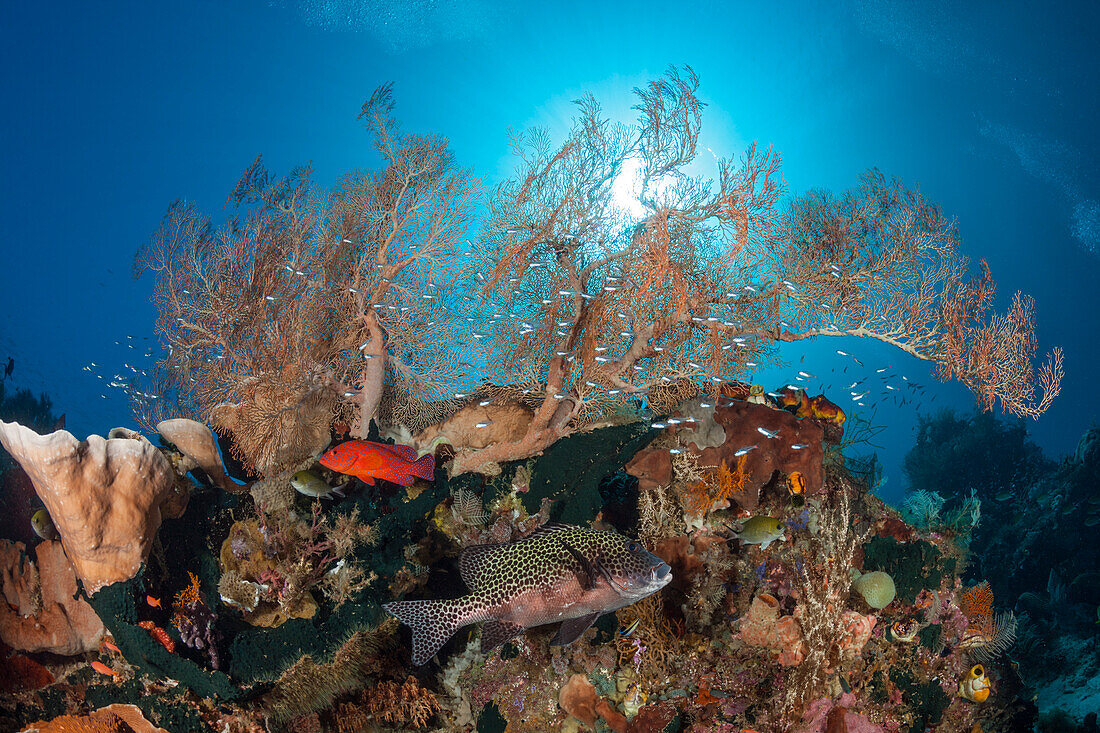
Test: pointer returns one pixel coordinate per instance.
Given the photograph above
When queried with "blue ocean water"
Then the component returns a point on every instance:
(114, 111)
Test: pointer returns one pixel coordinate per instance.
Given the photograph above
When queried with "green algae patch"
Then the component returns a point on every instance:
(262, 654)
(116, 607)
(914, 566)
(926, 699)
(171, 712)
(574, 467)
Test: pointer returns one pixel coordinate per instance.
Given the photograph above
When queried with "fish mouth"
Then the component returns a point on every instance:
(661, 574)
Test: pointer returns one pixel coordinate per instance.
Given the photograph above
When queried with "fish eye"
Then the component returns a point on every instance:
(632, 546)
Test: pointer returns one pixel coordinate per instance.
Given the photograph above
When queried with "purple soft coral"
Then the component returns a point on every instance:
(198, 628)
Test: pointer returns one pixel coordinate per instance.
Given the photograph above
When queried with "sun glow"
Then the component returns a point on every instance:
(624, 189)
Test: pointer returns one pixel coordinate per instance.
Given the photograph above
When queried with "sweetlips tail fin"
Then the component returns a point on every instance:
(432, 623)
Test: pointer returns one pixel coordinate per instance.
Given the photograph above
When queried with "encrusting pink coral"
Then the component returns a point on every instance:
(105, 496)
(822, 713)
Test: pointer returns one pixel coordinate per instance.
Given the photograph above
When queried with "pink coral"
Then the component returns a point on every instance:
(762, 626)
(792, 648)
(39, 607)
(857, 630)
(758, 627)
(816, 717)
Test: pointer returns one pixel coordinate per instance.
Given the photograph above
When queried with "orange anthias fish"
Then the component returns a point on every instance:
(368, 461)
(154, 602)
(103, 669)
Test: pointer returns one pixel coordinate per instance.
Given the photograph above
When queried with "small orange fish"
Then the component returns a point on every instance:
(112, 647)
(368, 461)
(103, 669)
(154, 602)
(796, 483)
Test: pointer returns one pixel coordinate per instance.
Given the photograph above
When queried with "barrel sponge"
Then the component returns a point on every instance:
(877, 588)
(105, 496)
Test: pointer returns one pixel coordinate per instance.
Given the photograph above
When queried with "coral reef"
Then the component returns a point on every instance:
(251, 581)
(42, 612)
(798, 601)
(1031, 553)
(271, 564)
(741, 424)
(122, 482)
(770, 639)
(200, 450)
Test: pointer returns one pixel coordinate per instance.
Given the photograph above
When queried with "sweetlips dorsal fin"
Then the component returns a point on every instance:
(471, 562)
(548, 528)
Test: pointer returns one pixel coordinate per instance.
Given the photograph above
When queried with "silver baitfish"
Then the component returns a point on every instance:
(557, 573)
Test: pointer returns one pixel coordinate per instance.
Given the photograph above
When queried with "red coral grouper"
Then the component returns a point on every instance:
(367, 461)
(556, 573)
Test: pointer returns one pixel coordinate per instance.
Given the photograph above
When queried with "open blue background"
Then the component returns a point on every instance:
(113, 110)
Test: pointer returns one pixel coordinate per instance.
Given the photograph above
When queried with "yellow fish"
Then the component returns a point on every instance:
(760, 530)
(310, 484)
(43, 525)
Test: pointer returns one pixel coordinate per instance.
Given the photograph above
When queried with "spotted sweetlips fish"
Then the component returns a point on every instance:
(557, 573)
(368, 461)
